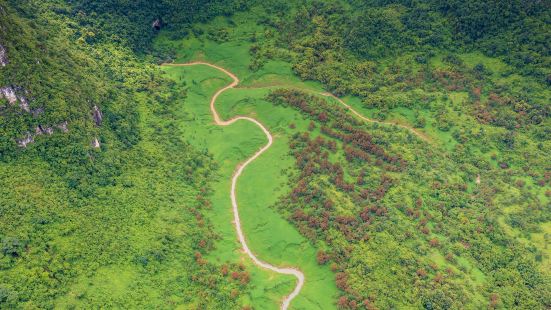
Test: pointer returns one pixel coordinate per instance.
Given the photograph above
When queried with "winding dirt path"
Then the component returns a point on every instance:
(288, 271)
(411, 129)
(218, 121)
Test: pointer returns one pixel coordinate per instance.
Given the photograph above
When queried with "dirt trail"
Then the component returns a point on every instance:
(414, 131)
(411, 129)
(218, 121)
(288, 271)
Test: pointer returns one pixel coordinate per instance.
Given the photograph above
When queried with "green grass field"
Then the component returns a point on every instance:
(271, 237)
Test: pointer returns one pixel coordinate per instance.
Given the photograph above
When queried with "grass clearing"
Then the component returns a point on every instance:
(271, 237)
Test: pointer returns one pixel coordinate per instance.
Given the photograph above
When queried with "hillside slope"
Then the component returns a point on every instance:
(96, 209)
(115, 183)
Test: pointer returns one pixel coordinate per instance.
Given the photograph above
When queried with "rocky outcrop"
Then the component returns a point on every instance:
(13, 95)
(157, 24)
(10, 94)
(40, 130)
(96, 143)
(24, 104)
(97, 115)
(43, 130)
(25, 140)
(63, 127)
(3, 56)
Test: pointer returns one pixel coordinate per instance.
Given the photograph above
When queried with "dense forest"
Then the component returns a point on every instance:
(397, 55)
(93, 199)
(391, 219)
(106, 201)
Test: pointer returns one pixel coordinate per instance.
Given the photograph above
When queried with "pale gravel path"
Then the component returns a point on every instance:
(235, 81)
(412, 130)
(288, 271)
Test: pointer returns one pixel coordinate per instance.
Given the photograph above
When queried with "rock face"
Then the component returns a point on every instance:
(98, 116)
(24, 104)
(157, 24)
(63, 126)
(95, 143)
(25, 140)
(13, 95)
(9, 93)
(40, 130)
(3, 56)
(46, 130)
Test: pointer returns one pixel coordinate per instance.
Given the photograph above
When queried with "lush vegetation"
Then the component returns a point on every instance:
(137, 22)
(467, 74)
(116, 224)
(358, 194)
(120, 196)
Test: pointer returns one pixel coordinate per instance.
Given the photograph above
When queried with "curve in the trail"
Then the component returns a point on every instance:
(288, 271)
(414, 131)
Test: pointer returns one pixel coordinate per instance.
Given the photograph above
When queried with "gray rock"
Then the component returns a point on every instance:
(41, 129)
(10, 94)
(63, 126)
(3, 56)
(98, 116)
(24, 104)
(23, 142)
(96, 143)
(157, 24)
